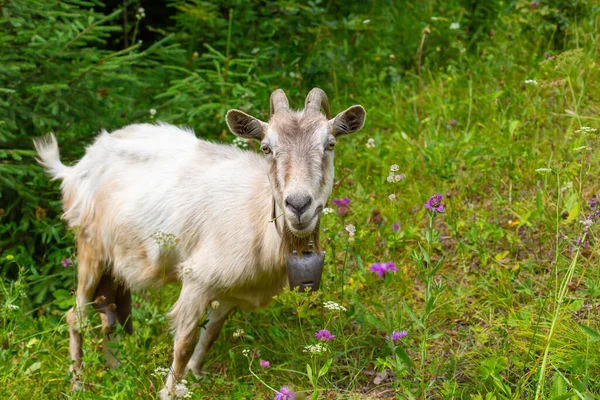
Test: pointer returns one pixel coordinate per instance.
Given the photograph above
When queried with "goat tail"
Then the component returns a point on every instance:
(47, 149)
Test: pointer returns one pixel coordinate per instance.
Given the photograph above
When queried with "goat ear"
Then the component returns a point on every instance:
(245, 126)
(348, 121)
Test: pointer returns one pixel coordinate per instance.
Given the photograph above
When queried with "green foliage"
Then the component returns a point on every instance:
(492, 104)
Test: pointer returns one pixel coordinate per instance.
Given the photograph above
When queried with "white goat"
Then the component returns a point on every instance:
(215, 199)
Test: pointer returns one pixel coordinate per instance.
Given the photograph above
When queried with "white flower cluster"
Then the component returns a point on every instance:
(160, 372)
(141, 13)
(586, 129)
(181, 391)
(392, 177)
(238, 333)
(328, 210)
(454, 26)
(314, 349)
(371, 143)
(351, 229)
(241, 143)
(392, 197)
(246, 352)
(332, 305)
(153, 111)
(530, 82)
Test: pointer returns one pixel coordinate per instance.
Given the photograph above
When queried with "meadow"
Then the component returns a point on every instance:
(461, 236)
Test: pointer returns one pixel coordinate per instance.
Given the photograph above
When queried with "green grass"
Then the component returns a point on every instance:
(499, 300)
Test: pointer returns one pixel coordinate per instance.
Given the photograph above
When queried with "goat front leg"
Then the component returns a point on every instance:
(208, 335)
(185, 315)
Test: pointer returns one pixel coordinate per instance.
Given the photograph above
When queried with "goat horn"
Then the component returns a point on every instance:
(315, 100)
(279, 102)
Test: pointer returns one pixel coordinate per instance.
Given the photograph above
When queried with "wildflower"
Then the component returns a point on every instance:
(435, 203)
(327, 210)
(342, 202)
(285, 393)
(366, 21)
(535, 4)
(246, 352)
(383, 268)
(392, 197)
(342, 205)
(543, 170)
(324, 335)
(265, 364)
(586, 130)
(238, 333)
(181, 391)
(530, 82)
(314, 349)
(214, 304)
(11, 306)
(399, 177)
(240, 142)
(351, 229)
(152, 111)
(396, 227)
(394, 167)
(547, 55)
(397, 335)
(390, 177)
(370, 143)
(66, 262)
(141, 13)
(587, 222)
(453, 122)
(454, 26)
(160, 372)
(332, 305)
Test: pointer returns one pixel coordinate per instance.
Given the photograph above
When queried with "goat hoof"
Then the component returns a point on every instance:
(76, 384)
(164, 394)
(197, 371)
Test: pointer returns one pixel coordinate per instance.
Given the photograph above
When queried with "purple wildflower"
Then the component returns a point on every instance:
(342, 202)
(265, 364)
(397, 335)
(547, 55)
(453, 122)
(324, 335)
(390, 266)
(435, 203)
(66, 262)
(285, 394)
(383, 268)
(535, 4)
(396, 227)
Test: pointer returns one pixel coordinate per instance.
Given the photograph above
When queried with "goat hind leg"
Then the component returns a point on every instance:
(89, 273)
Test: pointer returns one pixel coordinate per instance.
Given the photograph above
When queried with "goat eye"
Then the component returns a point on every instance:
(265, 149)
(330, 146)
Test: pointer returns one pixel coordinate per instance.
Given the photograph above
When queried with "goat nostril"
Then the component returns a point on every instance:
(298, 204)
